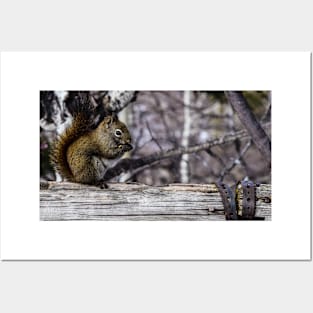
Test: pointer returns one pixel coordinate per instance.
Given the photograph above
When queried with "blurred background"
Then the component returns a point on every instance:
(163, 120)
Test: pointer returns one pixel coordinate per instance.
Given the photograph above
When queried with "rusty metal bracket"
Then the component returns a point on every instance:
(229, 201)
(248, 201)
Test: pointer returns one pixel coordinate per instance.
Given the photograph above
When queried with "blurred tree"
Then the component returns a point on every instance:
(164, 121)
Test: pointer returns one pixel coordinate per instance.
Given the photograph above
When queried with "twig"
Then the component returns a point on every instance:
(236, 161)
(257, 133)
(152, 137)
(131, 164)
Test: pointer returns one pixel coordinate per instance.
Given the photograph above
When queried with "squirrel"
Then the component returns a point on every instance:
(83, 151)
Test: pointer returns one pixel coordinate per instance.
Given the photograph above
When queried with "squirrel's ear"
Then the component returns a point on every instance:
(109, 120)
(114, 117)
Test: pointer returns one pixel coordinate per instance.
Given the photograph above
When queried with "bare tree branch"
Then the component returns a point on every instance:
(257, 133)
(153, 138)
(223, 164)
(132, 164)
(236, 161)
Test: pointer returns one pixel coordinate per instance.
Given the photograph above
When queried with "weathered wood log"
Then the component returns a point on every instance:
(137, 202)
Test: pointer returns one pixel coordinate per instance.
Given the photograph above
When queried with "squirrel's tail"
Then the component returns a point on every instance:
(81, 124)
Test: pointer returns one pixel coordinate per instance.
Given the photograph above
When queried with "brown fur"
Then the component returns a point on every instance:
(80, 153)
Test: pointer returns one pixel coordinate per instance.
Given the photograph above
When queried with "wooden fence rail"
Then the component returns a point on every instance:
(69, 201)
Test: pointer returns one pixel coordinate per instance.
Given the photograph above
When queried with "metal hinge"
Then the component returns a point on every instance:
(230, 201)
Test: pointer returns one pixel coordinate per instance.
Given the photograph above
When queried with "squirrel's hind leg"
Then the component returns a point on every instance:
(100, 167)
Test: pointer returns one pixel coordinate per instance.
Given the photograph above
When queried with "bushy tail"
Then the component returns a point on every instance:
(81, 124)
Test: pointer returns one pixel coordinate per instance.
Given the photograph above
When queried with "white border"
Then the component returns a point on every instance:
(23, 236)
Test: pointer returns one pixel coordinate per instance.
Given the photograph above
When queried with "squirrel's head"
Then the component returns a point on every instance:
(119, 136)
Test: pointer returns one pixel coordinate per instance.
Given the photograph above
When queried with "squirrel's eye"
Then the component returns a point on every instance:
(118, 133)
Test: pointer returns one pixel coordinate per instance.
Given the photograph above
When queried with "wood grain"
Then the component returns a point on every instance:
(137, 202)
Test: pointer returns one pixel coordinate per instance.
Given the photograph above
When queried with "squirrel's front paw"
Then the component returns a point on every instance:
(102, 184)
